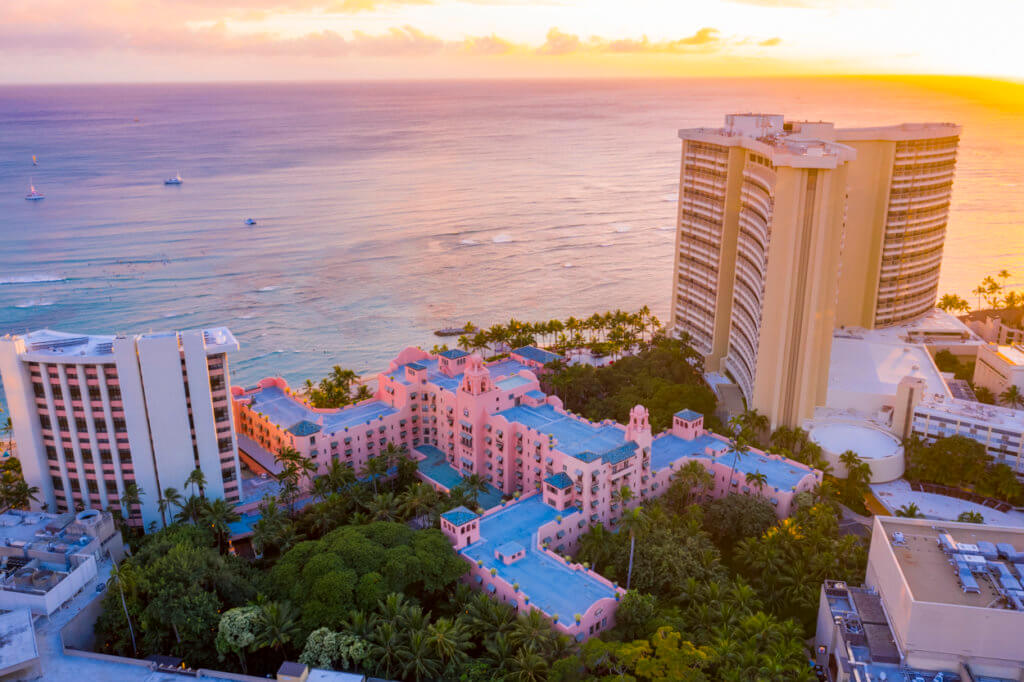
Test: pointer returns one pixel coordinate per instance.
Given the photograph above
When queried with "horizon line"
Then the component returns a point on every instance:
(536, 78)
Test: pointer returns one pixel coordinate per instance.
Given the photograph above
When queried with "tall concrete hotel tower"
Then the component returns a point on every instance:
(92, 414)
(787, 230)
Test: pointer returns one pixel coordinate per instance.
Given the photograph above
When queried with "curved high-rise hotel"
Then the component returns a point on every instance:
(92, 414)
(901, 185)
(787, 230)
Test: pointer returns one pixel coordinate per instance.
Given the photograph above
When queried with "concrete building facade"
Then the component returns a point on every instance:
(92, 414)
(900, 188)
(943, 601)
(773, 215)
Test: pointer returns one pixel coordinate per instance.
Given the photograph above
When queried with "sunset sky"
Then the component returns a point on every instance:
(184, 40)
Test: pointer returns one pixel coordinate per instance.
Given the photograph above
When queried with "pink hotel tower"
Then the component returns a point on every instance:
(552, 474)
(94, 413)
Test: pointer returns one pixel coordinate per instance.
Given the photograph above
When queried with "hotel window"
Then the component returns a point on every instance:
(114, 392)
(44, 421)
(94, 393)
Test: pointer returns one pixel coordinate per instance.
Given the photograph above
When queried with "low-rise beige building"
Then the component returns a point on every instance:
(937, 599)
(999, 367)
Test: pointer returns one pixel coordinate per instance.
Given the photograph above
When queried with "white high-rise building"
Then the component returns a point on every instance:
(94, 413)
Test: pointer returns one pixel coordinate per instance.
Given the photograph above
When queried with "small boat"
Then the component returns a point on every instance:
(34, 162)
(176, 180)
(33, 194)
(454, 331)
(250, 221)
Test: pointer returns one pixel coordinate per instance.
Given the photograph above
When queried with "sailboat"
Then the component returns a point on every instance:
(33, 194)
(176, 180)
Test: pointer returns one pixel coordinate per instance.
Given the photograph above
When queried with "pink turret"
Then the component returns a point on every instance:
(639, 428)
(476, 379)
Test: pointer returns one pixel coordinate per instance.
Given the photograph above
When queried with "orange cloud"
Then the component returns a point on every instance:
(770, 42)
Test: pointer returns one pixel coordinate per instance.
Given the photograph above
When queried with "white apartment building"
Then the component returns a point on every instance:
(94, 413)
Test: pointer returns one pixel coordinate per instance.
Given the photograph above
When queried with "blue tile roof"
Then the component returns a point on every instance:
(623, 452)
(458, 516)
(286, 411)
(304, 428)
(552, 586)
(539, 395)
(668, 449)
(575, 437)
(453, 354)
(689, 415)
(510, 549)
(537, 354)
(561, 480)
(514, 381)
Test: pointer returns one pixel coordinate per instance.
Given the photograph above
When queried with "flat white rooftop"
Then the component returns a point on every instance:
(1012, 355)
(47, 344)
(867, 442)
(868, 365)
(17, 639)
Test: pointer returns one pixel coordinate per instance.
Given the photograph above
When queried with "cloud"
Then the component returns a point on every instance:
(770, 42)
(560, 43)
(704, 36)
(487, 45)
(356, 6)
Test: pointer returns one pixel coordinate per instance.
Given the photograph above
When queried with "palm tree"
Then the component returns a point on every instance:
(630, 523)
(219, 515)
(527, 666)
(383, 507)
(279, 621)
(474, 484)
(757, 479)
(191, 510)
(116, 575)
(196, 479)
(171, 498)
(1012, 397)
(971, 517)
(533, 629)
(387, 649)
(740, 448)
(450, 641)
(131, 497)
(374, 468)
(910, 511)
(419, 499)
(419, 659)
(952, 303)
(852, 461)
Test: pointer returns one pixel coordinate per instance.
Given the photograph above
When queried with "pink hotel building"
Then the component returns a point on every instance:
(558, 473)
(92, 414)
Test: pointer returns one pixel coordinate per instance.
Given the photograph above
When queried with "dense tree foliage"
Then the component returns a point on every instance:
(356, 566)
(789, 562)
(175, 588)
(665, 378)
(335, 390)
(962, 462)
(14, 491)
(737, 517)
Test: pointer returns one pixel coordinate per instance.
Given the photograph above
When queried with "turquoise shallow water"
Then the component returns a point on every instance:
(385, 209)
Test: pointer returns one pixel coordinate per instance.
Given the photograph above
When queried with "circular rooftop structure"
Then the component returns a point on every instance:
(879, 449)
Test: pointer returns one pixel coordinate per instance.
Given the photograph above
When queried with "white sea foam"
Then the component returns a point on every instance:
(34, 304)
(606, 244)
(502, 238)
(268, 288)
(622, 227)
(31, 279)
(568, 265)
(670, 197)
(469, 242)
(666, 228)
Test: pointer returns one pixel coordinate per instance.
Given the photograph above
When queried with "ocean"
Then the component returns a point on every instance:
(386, 209)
